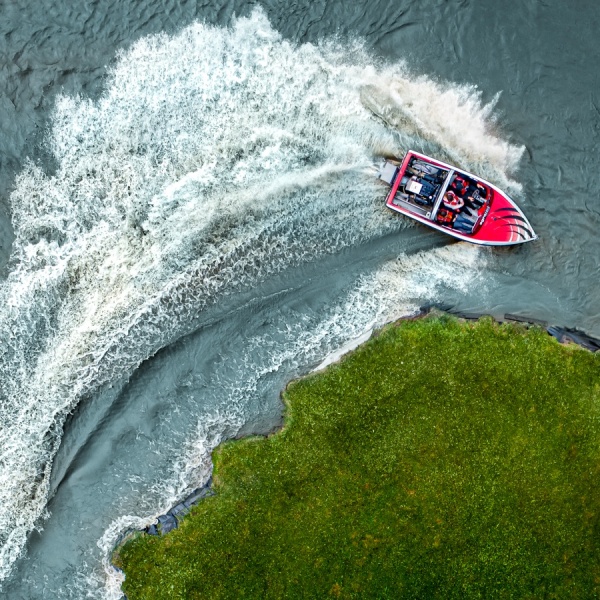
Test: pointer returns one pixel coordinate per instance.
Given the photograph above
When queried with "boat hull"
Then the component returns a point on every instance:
(497, 222)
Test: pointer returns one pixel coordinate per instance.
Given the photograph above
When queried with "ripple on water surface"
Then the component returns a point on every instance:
(214, 159)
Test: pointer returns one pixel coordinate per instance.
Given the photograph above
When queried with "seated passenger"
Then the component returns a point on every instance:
(463, 223)
(445, 217)
(472, 193)
(458, 222)
(459, 185)
(452, 201)
(468, 189)
(482, 191)
(476, 191)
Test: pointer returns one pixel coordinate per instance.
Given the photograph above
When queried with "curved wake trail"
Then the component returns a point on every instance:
(393, 291)
(215, 158)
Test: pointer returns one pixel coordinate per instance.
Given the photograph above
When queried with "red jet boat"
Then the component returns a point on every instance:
(454, 201)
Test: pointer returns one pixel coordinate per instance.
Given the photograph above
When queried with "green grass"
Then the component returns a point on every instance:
(439, 460)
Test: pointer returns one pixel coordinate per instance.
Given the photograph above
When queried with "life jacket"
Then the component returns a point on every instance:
(459, 184)
(444, 216)
(453, 201)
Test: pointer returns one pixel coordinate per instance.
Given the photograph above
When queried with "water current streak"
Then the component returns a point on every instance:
(214, 158)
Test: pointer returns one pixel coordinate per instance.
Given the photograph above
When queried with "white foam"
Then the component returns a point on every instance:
(393, 291)
(214, 158)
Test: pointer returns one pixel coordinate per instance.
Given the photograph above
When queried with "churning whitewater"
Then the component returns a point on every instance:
(214, 159)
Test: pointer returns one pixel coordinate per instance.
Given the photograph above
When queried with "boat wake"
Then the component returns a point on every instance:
(214, 159)
(393, 291)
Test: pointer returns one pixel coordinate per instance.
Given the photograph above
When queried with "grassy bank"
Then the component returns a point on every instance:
(439, 460)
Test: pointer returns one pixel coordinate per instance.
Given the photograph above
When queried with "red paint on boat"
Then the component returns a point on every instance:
(489, 216)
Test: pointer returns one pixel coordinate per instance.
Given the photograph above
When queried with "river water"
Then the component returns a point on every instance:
(190, 219)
